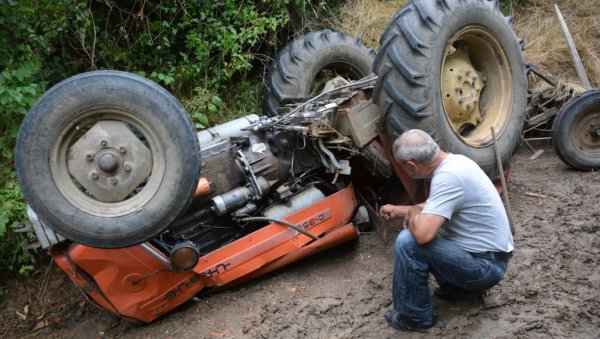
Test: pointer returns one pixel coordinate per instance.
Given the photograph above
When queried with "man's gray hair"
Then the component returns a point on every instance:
(416, 145)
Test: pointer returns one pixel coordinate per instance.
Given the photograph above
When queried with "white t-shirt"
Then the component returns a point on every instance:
(475, 216)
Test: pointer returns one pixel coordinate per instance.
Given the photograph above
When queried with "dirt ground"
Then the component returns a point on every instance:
(551, 289)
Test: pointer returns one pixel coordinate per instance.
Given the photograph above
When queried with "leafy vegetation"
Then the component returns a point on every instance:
(210, 54)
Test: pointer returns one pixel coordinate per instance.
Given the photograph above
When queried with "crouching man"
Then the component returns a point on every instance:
(460, 234)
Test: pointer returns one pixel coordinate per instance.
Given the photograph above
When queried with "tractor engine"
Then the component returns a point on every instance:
(243, 174)
(255, 171)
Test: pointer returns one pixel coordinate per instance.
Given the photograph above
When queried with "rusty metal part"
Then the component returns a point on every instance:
(378, 160)
(476, 85)
(386, 229)
(358, 122)
(544, 106)
(109, 161)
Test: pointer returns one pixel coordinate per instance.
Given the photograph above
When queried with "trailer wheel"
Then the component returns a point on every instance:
(453, 69)
(576, 132)
(107, 159)
(302, 68)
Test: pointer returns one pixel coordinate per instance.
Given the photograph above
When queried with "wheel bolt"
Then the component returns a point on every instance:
(103, 143)
(122, 149)
(95, 176)
(89, 157)
(127, 168)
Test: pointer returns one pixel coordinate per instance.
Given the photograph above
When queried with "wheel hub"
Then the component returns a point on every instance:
(587, 131)
(109, 161)
(594, 131)
(461, 88)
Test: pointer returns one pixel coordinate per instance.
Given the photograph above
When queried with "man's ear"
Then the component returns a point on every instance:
(412, 165)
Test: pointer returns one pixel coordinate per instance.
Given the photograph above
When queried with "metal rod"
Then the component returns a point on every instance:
(503, 181)
(538, 139)
(576, 59)
(282, 222)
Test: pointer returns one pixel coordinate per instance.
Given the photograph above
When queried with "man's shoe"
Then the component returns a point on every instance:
(403, 324)
(457, 294)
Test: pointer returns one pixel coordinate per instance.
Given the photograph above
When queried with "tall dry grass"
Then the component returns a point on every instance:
(546, 46)
(366, 19)
(535, 22)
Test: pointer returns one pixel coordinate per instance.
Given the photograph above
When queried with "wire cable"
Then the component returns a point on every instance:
(282, 222)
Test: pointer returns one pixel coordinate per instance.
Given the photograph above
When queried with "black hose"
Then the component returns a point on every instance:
(282, 222)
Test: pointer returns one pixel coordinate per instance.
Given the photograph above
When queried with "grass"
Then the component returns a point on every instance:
(546, 46)
(535, 21)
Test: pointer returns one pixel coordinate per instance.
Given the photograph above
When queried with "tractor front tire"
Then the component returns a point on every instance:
(302, 68)
(107, 159)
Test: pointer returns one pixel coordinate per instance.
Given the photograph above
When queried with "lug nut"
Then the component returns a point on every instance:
(122, 149)
(114, 182)
(95, 176)
(103, 143)
(89, 157)
(127, 168)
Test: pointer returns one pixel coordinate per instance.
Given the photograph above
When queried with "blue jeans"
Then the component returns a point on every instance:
(450, 265)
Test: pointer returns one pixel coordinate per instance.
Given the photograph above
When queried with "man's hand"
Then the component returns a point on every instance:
(393, 211)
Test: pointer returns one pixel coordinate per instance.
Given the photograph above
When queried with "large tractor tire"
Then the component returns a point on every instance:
(576, 132)
(454, 69)
(302, 68)
(107, 159)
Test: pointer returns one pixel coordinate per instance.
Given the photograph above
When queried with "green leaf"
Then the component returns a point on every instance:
(203, 119)
(26, 269)
(215, 100)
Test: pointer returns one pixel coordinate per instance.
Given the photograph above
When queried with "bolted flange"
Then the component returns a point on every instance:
(461, 88)
(109, 174)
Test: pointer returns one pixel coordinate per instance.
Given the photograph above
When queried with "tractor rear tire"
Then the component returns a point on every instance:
(301, 68)
(453, 69)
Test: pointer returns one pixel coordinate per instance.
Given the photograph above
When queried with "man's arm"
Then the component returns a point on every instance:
(423, 226)
(395, 211)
